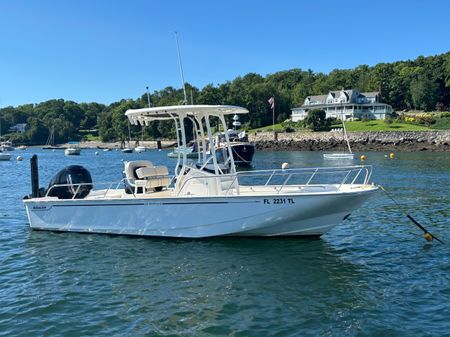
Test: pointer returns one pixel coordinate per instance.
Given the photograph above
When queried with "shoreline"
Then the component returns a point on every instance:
(404, 141)
(150, 144)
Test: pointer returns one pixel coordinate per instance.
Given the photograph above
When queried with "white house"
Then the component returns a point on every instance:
(18, 128)
(347, 104)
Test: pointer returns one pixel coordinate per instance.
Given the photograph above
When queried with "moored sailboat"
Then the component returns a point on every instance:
(343, 155)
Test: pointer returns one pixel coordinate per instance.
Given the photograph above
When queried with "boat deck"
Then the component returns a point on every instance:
(243, 192)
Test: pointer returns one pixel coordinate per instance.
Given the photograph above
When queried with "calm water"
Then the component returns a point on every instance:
(374, 275)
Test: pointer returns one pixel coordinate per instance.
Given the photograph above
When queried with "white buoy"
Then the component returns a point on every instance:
(96, 153)
(284, 166)
(19, 158)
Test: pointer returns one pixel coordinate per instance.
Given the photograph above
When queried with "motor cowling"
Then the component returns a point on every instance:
(78, 183)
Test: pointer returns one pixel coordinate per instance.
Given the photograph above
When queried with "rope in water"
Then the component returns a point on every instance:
(428, 236)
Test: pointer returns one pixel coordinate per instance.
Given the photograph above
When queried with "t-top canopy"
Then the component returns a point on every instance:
(145, 115)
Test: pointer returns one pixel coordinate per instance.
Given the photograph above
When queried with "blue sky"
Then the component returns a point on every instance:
(102, 51)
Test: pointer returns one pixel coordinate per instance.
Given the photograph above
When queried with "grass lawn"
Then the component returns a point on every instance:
(90, 135)
(381, 125)
(268, 128)
(360, 126)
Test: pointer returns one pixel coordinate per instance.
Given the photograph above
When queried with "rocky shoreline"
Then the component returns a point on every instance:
(405, 141)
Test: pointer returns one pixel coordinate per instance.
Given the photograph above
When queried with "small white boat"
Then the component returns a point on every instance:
(127, 150)
(140, 149)
(188, 151)
(195, 203)
(4, 156)
(339, 156)
(73, 149)
(6, 146)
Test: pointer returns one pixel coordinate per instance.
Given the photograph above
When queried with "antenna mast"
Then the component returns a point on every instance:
(181, 69)
(148, 98)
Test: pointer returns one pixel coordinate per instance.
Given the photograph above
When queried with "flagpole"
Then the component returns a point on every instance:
(273, 116)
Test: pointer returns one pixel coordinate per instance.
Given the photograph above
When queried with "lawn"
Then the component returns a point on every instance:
(359, 126)
(381, 125)
(268, 128)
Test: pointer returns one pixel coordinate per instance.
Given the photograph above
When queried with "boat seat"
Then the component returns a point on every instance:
(142, 177)
(155, 177)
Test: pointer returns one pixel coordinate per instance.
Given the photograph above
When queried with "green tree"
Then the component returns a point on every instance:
(316, 120)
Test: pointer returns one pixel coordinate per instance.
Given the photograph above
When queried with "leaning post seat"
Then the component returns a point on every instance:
(143, 177)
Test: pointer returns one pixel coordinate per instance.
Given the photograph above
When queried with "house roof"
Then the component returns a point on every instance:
(370, 94)
(318, 106)
(335, 93)
(318, 97)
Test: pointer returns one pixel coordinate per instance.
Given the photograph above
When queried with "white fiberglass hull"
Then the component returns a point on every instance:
(140, 149)
(4, 156)
(72, 152)
(338, 156)
(196, 217)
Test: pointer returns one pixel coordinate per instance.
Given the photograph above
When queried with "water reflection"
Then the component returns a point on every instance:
(180, 285)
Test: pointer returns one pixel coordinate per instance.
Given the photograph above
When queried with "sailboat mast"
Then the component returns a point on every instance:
(345, 130)
(129, 134)
(181, 70)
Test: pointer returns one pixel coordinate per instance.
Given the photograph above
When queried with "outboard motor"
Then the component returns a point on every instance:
(71, 176)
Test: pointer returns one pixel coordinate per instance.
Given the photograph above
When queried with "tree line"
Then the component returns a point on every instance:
(422, 84)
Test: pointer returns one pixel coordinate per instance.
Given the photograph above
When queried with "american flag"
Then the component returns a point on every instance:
(272, 102)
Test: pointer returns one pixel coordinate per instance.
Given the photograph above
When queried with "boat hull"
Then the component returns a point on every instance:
(243, 154)
(348, 156)
(72, 152)
(4, 156)
(198, 217)
(140, 149)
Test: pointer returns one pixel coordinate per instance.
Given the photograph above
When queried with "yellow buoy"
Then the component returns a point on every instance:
(392, 155)
(363, 157)
(428, 236)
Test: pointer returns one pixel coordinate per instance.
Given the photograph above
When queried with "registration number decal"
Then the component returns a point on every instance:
(279, 201)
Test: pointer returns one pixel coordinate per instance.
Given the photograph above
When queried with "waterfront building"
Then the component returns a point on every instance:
(347, 104)
(21, 128)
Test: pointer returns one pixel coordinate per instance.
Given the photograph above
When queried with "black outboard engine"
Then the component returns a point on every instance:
(71, 176)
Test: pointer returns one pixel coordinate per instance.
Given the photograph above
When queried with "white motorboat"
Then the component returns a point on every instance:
(195, 203)
(6, 146)
(4, 156)
(140, 149)
(73, 149)
(127, 150)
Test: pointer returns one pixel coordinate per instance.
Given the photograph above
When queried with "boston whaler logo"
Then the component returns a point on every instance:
(40, 208)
